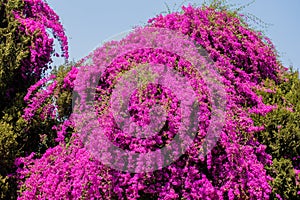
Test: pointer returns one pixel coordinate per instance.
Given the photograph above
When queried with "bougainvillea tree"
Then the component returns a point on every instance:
(26, 47)
(236, 168)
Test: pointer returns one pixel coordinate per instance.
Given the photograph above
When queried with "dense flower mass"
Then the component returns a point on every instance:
(37, 18)
(77, 175)
(235, 167)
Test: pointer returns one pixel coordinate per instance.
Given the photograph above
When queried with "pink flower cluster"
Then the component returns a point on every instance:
(68, 171)
(69, 79)
(234, 169)
(37, 18)
(35, 101)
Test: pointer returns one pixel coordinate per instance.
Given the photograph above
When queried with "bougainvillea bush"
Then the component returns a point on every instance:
(251, 155)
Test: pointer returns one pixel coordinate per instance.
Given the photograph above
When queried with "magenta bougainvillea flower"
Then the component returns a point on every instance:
(37, 18)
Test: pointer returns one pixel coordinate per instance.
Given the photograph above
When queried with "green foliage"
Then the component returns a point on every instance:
(282, 133)
(14, 47)
(7, 142)
(64, 99)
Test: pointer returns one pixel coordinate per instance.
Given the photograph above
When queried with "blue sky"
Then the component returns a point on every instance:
(90, 22)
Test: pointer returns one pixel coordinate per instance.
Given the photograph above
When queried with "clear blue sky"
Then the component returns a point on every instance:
(90, 22)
